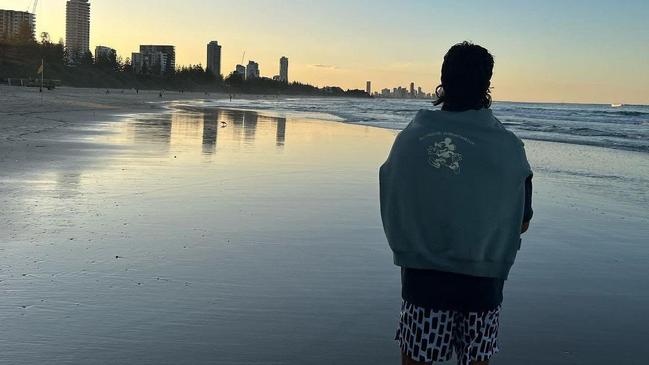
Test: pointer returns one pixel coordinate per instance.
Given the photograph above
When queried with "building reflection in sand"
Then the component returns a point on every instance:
(209, 128)
(210, 131)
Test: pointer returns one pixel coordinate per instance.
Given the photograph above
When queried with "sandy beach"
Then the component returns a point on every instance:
(134, 231)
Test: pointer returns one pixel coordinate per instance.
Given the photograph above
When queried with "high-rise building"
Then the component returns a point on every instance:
(412, 89)
(16, 24)
(214, 58)
(77, 29)
(241, 71)
(283, 69)
(149, 63)
(104, 53)
(252, 71)
(137, 62)
(368, 87)
(168, 65)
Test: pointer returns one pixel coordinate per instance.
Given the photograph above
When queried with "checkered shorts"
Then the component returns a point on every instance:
(427, 335)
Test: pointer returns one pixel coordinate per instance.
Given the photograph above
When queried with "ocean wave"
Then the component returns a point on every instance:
(586, 124)
(631, 113)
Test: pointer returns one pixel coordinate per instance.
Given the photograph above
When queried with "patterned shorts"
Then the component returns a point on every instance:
(428, 336)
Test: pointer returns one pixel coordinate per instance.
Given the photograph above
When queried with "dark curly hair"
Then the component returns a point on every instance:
(466, 78)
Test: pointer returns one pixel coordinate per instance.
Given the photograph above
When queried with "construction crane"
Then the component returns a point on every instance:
(33, 6)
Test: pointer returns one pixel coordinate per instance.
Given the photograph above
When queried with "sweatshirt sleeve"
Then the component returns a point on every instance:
(528, 213)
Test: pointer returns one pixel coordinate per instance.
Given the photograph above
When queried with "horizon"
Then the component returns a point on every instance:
(348, 43)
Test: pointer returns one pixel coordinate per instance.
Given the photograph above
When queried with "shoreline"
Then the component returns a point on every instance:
(71, 124)
(613, 129)
(337, 119)
(95, 101)
(31, 127)
(65, 122)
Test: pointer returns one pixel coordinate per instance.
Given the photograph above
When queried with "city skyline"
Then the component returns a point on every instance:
(595, 52)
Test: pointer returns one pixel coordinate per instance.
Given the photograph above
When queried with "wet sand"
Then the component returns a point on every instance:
(132, 234)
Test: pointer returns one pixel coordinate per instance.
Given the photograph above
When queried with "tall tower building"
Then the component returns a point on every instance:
(283, 69)
(368, 87)
(214, 58)
(77, 29)
(412, 89)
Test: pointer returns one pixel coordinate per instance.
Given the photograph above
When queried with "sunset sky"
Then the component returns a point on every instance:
(564, 51)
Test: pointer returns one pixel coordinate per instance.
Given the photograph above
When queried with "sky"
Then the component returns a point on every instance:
(593, 51)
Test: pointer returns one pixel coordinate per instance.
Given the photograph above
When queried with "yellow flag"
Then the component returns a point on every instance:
(40, 69)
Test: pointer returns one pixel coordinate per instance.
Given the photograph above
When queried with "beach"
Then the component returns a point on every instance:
(178, 230)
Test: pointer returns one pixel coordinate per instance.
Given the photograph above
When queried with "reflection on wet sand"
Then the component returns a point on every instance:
(68, 183)
(147, 129)
(183, 127)
(250, 120)
(280, 136)
(210, 132)
(198, 233)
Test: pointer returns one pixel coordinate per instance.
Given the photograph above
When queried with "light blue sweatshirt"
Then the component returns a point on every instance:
(453, 194)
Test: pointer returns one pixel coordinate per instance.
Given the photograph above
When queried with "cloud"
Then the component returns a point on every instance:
(330, 67)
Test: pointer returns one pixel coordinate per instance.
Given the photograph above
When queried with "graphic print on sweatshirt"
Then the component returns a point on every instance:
(443, 154)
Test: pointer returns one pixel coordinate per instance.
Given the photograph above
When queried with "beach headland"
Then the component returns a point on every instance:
(135, 232)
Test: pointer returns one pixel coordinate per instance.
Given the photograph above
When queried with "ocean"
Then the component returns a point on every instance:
(625, 127)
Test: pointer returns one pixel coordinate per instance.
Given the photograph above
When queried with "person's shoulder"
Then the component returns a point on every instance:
(415, 128)
(424, 119)
(417, 121)
(426, 115)
(517, 146)
(511, 136)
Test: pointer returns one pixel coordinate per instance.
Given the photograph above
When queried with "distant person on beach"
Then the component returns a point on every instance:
(456, 195)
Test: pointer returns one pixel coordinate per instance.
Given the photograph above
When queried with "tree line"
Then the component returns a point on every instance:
(21, 57)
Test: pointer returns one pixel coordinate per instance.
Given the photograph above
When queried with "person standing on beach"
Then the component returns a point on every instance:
(455, 198)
